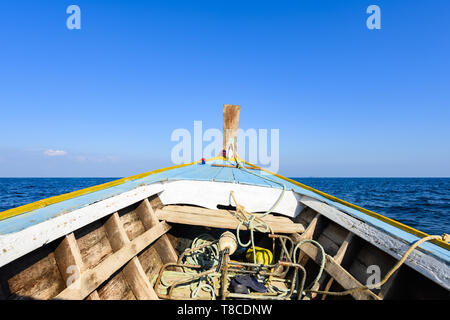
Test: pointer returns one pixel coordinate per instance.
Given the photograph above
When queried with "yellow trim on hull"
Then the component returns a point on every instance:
(56, 199)
(375, 215)
(52, 200)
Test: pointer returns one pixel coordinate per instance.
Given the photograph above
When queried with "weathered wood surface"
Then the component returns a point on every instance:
(221, 219)
(330, 236)
(17, 244)
(230, 123)
(133, 272)
(116, 288)
(93, 296)
(342, 276)
(67, 255)
(132, 225)
(94, 246)
(149, 219)
(70, 263)
(92, 278)
(308, 234)
(338, 257)
(42, 280)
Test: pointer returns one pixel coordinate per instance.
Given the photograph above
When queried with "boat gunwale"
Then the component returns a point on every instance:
(370, 213)
(60, 198)
(74, 194)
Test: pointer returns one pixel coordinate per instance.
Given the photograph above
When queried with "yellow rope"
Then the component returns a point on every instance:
(445, 237)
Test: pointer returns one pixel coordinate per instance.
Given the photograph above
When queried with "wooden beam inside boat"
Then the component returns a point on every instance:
(133, 272)
(342, 276)
(149, 219)
(338, 257)
(67, 256)
(221, 219)
(309, 233)
(91, 279)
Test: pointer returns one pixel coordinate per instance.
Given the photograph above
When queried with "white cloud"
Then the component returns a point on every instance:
(55, 153)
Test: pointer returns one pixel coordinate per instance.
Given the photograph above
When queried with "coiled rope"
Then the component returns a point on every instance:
(207, 257)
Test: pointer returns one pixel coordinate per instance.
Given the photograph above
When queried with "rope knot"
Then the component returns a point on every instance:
(446, 237)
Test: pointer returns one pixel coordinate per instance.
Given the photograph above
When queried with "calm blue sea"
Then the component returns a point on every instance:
(422, 203)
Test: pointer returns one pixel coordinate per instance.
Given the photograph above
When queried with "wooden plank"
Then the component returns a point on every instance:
(132, 272)
(41, 280)
(370, 255)
(94, 246)
(151, 261)
(230, 124)
(315, 225)
(330, 239)
(344, 248)
(132, 225)
(149, 219)
(92, 278)
(336, 234)
(224, 212)
(68, 256)
(155, 202)
(308, 234)
(146, 213)
(345, 279)
(305, 216)
(116, 288)
(328, 245)
(93, 296)
(222, 219)
(115, 232)
(280, 219)
(137, 280)
(338, 257)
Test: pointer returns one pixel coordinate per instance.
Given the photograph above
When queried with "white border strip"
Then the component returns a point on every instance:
(15, 245)
(209, 194)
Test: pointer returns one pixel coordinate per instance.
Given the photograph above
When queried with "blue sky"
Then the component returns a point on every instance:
(104, 100)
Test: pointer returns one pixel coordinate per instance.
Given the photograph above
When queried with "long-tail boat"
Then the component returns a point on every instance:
(221, 228)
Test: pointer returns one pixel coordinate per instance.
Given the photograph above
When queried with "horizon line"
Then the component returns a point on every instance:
(306, 177)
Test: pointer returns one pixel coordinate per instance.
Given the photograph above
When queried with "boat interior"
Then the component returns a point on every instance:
(216, 229)
(149, 250)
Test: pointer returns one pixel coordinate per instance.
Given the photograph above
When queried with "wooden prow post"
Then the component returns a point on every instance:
(230, 128)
